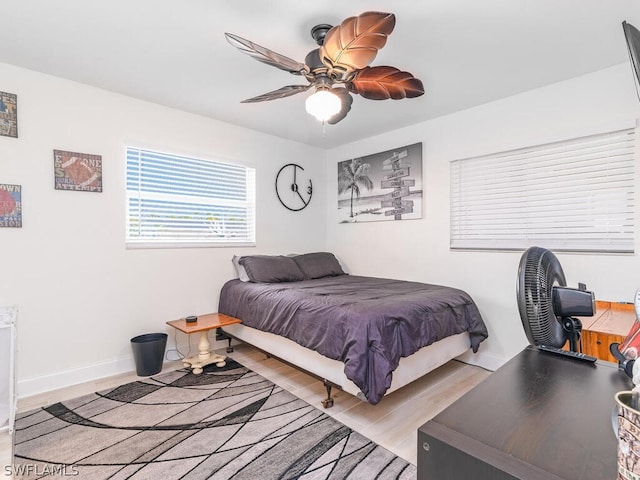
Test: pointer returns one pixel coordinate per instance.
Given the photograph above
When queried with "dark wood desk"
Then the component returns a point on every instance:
(538, 417)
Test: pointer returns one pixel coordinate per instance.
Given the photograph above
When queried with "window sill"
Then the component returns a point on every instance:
(144, 245)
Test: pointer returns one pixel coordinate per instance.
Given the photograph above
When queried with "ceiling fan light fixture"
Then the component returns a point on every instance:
(323, 105)
(342, 59)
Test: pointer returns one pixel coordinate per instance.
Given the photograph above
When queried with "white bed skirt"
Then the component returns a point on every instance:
(410, 368)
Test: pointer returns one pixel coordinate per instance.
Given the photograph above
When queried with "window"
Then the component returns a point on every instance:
(574, 195)
(174, 200)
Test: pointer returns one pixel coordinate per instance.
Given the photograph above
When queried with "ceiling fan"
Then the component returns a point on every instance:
(339, 67)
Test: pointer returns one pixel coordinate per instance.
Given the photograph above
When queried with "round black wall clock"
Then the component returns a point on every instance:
(293, 187)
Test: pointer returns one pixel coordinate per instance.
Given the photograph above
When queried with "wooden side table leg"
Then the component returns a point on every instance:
(204, 346)
(219, 360)
(204, 357)
(203, 353)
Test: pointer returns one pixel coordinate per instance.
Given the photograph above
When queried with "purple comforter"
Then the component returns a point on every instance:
(367, 323)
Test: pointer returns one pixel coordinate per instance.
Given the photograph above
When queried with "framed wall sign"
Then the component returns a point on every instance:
(10, 205)
(77, 171)
(8, 114)
(383, 186)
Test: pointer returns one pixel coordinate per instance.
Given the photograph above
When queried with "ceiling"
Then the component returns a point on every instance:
(173, 52)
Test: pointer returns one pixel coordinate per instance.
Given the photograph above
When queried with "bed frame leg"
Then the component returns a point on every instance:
(222, 335)
(327, 402)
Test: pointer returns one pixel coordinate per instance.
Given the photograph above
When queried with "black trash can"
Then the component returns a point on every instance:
(148, 353)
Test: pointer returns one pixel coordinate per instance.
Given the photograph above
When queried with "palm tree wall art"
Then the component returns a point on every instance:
(353, 174)
(382, 186)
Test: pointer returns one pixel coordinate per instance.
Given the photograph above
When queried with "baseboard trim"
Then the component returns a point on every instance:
(67, 378)
(53, 381)
(484, 360)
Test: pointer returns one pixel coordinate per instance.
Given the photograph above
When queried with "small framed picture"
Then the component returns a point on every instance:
(10, 205)
(8, 114)
(77, 171)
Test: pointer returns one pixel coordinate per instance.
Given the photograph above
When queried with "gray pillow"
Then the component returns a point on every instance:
(318, 265)
(271, 269)
(240, 271)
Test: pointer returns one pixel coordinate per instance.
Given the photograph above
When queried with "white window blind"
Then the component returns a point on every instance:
(573, 195)
(174, 200)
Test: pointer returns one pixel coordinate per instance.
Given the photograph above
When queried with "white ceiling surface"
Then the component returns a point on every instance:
(171, 52)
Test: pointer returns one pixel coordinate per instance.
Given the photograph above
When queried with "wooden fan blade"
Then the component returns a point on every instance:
(354, 43)
(346, 99)
(279, 93)
(382, 83)
(267, 56)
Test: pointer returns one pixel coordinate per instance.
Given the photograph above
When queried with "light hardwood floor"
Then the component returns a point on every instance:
(393, 423)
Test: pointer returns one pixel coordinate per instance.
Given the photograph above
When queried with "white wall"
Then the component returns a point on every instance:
(81, 295)
(419, 249)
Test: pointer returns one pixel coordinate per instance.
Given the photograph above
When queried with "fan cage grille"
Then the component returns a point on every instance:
(540, 271)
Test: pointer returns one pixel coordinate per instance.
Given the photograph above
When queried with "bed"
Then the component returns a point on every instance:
(368, 336)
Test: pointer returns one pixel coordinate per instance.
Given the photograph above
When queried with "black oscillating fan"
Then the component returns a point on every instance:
(547, 305)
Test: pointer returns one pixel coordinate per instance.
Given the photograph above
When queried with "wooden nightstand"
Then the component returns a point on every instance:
(202, 326)
(610, 324)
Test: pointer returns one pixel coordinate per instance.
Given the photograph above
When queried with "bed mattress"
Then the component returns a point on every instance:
(367, 323)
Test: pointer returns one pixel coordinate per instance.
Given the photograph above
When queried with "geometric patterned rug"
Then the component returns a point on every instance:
(226, 423)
